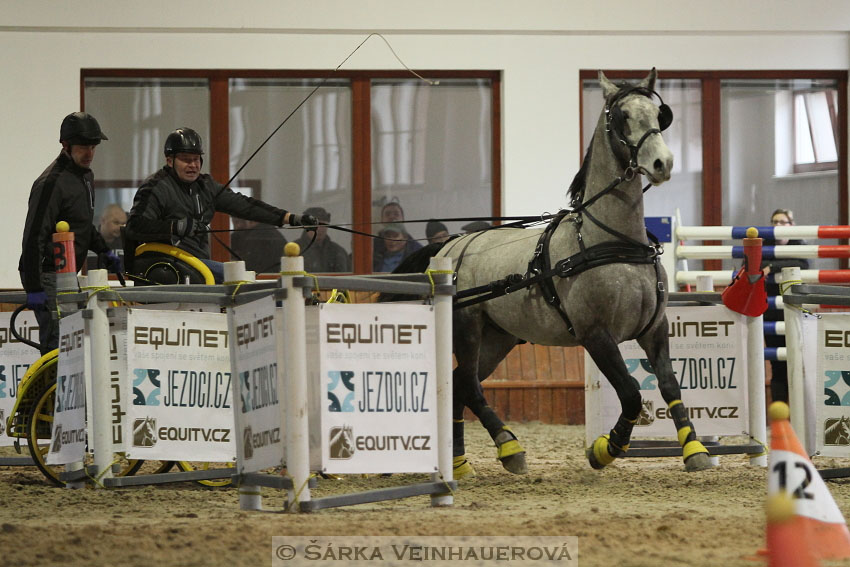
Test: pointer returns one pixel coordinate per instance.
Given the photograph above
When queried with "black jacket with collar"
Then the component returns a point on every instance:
(63, 192)
(163, 199)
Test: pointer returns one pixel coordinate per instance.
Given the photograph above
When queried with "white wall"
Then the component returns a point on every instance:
(539, 45)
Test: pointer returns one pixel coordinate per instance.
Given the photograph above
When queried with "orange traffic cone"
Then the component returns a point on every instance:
(803, 522)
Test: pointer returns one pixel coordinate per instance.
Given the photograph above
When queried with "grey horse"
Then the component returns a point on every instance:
(592, 278)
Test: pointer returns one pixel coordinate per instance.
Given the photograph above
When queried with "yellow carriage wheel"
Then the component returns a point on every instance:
(187, 466)
(39, 435)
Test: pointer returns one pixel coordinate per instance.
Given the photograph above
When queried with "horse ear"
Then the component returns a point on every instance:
(649, 81)
(608, 88)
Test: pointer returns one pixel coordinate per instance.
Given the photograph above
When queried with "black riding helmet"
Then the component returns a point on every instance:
(184, 140)
(82, 129)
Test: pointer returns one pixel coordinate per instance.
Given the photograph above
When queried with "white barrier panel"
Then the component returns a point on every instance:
(68, 438)
(178, 370)
(15, 360)
(376, 370)
(832, 409)
(254, 330)
(707, 350)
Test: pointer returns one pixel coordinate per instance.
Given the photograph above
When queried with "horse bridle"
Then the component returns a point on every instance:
(615, 123)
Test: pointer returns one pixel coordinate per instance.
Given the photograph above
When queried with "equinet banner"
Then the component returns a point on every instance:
(708, 353)
(377, 386)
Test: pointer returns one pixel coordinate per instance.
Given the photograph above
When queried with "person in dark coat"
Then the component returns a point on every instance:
(323, 255)
(63, 192)
(176, 204)
(779, 368)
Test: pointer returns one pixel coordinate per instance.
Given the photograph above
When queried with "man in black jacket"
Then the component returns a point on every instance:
(176, 204)
(63, 192)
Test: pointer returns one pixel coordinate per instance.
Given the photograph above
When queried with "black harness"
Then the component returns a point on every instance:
(624, 250)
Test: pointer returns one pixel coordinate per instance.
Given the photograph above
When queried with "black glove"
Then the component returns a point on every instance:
(112, 262)
(303, 220)
(187, 227)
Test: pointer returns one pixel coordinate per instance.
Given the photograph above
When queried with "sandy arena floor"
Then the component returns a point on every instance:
(639, 512)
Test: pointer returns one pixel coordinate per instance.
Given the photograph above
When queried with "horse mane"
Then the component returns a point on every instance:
(576, 190)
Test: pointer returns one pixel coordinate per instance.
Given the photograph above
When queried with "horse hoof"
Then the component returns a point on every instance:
(698, 462)
(591, 458)
(515, 463)
(462, 468)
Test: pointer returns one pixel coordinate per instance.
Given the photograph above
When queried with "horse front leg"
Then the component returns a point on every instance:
(657, 347)
(604, 352)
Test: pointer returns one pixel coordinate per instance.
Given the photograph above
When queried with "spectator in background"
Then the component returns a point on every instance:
(395, 245)
(323, 255)
(436, 232)
(392, 214)
(112, 219)
(260, 245)
(779, 368)
(475, 226)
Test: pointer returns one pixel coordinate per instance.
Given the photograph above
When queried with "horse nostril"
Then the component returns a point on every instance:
(659, 165)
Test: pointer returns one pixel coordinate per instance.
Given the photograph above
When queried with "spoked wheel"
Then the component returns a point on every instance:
(186, 466)
(39, 429)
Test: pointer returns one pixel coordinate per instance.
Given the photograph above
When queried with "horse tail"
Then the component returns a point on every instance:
(415, 263)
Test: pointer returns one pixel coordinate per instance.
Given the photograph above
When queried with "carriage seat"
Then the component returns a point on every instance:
(155, 263)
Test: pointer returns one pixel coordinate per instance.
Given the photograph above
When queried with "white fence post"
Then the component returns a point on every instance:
(250, 497)
(706, 283)
(794, 358)
(443, 317)
(294, 366)
(755, 385)
(101, 441)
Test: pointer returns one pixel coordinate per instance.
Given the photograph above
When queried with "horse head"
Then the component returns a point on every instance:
(634, 124)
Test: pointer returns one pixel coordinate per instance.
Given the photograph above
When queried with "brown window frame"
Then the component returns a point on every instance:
(219, 143)
(816, 165)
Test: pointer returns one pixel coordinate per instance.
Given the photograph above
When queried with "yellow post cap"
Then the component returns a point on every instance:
(62, 226)
(779, 508)
(778, 411)
(291, 249)
(752, 232)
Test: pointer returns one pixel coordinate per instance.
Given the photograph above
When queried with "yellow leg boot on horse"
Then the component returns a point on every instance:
(461, 467)
(606, 448)
(510, 452)
(694, 453)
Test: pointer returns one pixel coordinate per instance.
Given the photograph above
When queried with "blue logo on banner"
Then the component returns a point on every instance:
(836, 388)
(341, 386)
(146, 387)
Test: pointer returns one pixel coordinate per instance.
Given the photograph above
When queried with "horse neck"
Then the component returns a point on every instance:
(622, 207)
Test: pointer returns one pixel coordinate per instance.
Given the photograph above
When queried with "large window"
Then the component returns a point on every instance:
(137, 114)
(352, 144)
(761, 134)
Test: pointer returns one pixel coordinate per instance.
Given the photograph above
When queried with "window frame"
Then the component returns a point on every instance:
(219, 143)
(816, 165)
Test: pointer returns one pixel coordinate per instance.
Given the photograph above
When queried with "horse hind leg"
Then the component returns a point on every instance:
(481, 359)
(604, 352)
(656, 344)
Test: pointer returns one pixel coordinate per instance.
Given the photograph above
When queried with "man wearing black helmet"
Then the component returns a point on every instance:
(176, 204)
(63, 192)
